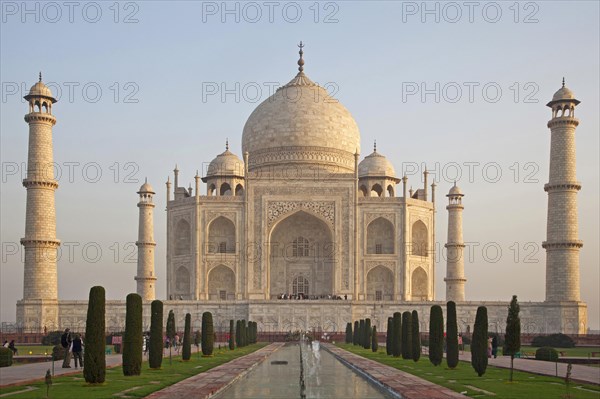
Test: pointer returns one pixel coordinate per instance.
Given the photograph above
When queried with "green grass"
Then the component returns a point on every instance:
(74, 386)
(495, 380)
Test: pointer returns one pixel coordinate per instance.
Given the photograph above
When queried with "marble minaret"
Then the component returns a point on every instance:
(562, 243)
(146, 279)
(455, 263)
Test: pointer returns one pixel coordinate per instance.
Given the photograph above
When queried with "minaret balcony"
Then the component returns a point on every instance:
(566, 244)
(40, 117)
(566, 186)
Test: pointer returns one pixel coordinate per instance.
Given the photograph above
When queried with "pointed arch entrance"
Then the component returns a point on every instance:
(301, 257)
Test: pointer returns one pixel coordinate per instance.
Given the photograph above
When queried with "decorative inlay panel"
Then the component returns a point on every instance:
(277, 209)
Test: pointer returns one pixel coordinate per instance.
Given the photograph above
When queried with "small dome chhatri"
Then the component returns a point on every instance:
(562, 95)
(226, 164)
(146, 188)
(455, 191)
(376, 165)
(39, 89)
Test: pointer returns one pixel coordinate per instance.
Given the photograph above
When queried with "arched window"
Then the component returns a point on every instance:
(420, 241)
(225, 189)
(182, 238)
(300, 247)
(182, 280)
(300, 286)
(239, 190)
(362, 191)
(419, 285)
(221, 236)
(380, 237)
(376, 190)
(390, 191)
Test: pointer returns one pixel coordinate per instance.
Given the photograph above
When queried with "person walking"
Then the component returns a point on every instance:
(13, 348)
(65, 342)
(489, 347)
(77, 349)
(495, 346)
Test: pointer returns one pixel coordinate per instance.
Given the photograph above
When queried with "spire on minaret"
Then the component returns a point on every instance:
(41, 77)
(375, 145)
(563, 82)
(301, 60)
(227, 144)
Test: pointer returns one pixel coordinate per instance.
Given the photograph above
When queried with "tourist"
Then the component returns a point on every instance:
(65, 342)
(13, 348)
(176, 343)
(5, 344)
(489, 348)
(495, 346)
(77, 349)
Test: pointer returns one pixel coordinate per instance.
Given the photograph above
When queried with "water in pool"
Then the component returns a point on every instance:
(318, 375)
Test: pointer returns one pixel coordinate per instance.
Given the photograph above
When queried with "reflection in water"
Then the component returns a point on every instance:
(312, 373)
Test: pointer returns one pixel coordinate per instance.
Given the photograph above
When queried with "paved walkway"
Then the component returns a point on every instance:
(406, 385)
(205, 385)
(32, 372)
(581, 373)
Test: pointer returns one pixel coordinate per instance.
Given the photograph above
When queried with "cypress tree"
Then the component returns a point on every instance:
(361, 332)
(244, 333)
(231, 335)
(397, 337)
(238, 333)
(416, 336)
(451, 335)
(407, 335)
(355, 333)
(479, 342)
(348, 333)
(389, 336)
(436, 335)
(155, 351)
(171, 331)
(94, 366)
(186, 352)
(512, 340)
(208, 337)
(367, 341)
(133, 340)
(374, 343)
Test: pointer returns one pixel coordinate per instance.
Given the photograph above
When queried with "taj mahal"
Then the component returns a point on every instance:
(300, 231)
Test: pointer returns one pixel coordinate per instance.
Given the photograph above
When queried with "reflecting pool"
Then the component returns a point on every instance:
(318, 375)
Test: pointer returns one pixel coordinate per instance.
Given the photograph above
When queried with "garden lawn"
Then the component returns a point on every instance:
(494, 383)
(75, 387)
(578, 351)
(34, 349)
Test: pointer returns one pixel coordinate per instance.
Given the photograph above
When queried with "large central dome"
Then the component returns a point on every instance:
(301, 124)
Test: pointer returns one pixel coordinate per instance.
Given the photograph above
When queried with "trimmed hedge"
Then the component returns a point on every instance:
(53, 338)
(374, 343)
(554, 340)
(479, 358)
(397, 336)
(547, 354)
(186, 352)
(348, 333)
(389, 336)
(6, 356)
(155, 349)
(367, 335)
(94, 362)
(231, 335)
(406, 335)
(133, 340)
(208, 334)
(451, 335)
(355, 333)
(436, 335)
(416, 336)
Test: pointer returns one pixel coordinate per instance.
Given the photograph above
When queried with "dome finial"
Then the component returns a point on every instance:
(40, 76)
(374, 145)
(563, 82)
(227, 144)
(301, 60)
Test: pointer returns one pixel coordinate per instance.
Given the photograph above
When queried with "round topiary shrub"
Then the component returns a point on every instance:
(554, 340)
(6, 357)
(546, 353)
(58, 352)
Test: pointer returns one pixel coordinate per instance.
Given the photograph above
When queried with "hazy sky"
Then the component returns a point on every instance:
(460, 87)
